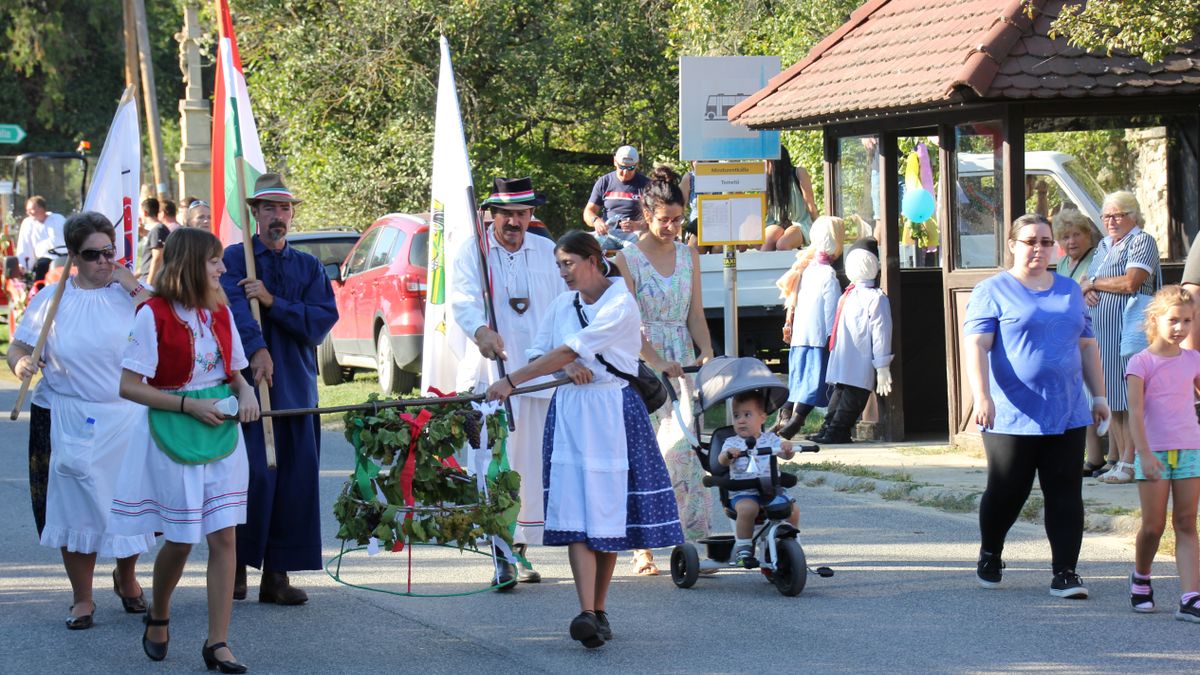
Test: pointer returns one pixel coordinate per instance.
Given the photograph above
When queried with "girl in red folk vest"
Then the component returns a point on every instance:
(185, 474)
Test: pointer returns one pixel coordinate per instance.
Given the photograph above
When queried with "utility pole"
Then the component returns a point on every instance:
(149, 95)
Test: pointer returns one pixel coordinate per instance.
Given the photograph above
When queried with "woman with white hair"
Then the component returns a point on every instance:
(1077, 237)
(1126, 264)
(811, 291)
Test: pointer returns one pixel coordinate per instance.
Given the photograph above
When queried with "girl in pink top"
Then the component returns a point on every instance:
(1161, 383)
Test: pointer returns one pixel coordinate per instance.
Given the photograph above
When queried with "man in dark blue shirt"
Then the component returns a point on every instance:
(618, 194)
(282, 532)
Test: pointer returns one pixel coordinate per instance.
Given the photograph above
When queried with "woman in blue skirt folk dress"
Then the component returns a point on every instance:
(606, 486)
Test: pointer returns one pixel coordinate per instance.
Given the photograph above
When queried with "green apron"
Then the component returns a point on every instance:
(186, 439)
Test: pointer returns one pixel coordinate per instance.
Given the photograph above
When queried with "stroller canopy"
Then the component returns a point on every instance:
(726, 376)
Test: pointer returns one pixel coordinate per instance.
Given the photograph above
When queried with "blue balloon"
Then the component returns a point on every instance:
(918, 205)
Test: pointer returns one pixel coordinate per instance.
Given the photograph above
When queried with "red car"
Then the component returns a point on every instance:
(380, 293)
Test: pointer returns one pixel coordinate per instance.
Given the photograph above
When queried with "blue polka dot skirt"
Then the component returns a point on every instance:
(652, 519)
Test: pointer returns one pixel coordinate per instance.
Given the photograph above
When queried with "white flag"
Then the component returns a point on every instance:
(115, 187)
(452, 219)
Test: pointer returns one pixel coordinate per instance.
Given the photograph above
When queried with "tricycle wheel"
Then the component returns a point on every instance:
(791, 569)
(685, 565)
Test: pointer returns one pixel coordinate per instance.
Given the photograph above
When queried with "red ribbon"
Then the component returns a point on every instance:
(410, 465)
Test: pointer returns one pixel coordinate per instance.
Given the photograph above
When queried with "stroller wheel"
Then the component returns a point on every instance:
(685, 565)
(791, 570)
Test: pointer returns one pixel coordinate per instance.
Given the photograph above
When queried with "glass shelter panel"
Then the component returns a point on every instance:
(919, 191)
(858, 186)
(978, 201)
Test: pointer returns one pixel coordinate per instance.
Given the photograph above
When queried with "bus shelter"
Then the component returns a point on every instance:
(976, 101)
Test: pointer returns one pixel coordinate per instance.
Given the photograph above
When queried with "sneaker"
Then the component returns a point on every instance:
(1189, 611)
(989, 570)
(603, 629)
(744, 557)
(1067, 584)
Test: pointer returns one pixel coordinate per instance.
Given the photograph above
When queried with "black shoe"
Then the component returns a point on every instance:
(586, 629)
(1067, 584)
(835, 437)
(989, 570)
(239, 582)
(1142, 603)
(276, 588)
(602, 627)
(505, 578)
(213, 663)
(157, 651)
(132, 605)
(525, 572)
(80, 622)
(818, 437)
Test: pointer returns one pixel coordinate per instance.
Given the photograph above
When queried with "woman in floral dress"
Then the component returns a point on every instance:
(664, 275)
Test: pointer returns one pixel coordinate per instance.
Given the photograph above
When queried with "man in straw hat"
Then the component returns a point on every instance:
(525, 280)
(283, 521)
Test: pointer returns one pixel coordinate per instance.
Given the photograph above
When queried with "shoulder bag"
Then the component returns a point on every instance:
(646, 383)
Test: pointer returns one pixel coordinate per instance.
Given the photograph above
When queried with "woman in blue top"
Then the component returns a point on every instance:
(1028, 342)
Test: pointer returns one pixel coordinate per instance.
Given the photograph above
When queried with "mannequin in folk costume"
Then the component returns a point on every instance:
(810, 290)
(860, 349)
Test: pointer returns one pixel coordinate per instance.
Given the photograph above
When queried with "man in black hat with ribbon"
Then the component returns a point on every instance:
(282, 532)
(524, 280)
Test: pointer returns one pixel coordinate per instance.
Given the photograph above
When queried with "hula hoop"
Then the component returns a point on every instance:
(336, 574)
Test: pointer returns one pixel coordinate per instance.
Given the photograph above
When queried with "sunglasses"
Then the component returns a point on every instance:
(93, 254)
(631, 167)
(1035, 243)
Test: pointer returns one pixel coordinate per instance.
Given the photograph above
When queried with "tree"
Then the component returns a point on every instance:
(62, 69)
(344, 94)
(1150, 29)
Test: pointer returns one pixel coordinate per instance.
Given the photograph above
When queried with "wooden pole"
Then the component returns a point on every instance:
(406, 403)
(43, 334)
(131, 44)
(150, 94)
(264, 391)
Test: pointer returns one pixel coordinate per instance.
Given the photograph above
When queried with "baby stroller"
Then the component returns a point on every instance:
(780, 555)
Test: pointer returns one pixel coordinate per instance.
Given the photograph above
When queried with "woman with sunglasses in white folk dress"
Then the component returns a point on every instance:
(79, 423)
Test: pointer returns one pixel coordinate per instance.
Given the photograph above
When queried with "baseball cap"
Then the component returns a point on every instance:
(626, 155)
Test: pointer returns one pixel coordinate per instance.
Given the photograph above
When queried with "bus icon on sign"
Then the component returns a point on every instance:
(718, 105)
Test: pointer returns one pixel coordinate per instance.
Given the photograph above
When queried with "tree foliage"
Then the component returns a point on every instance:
(1150, 29)
(62, 65)
(344, 92)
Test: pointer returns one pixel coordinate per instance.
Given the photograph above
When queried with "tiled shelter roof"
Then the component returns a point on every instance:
(908, 55)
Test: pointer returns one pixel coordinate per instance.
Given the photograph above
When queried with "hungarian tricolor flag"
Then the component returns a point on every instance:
(234, 136)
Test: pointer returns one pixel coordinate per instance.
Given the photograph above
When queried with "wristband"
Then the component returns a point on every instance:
(510, 382)
(1099, 399)
(137, 289)
(181, 400)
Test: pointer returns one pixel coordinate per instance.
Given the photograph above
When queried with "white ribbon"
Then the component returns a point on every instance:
(478, 460)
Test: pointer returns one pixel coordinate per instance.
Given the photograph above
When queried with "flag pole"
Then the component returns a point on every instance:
(264, 391)
(481, 240)
(43, 334)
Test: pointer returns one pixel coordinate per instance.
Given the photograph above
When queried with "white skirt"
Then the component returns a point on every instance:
(185, 502)
(88, 441)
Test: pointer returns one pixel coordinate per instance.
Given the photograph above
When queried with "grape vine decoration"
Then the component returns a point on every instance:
(449, 509)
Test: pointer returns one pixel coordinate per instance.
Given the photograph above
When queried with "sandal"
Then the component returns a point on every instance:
(643, 564)
(1120, 474)
(1096, 470)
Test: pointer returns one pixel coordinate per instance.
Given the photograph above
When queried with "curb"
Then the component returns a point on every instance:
(942, 498)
